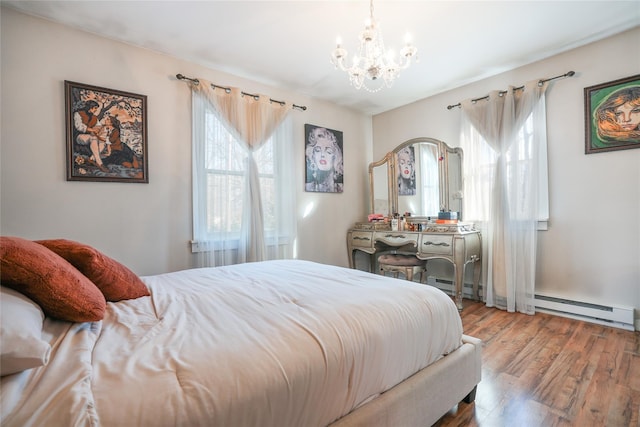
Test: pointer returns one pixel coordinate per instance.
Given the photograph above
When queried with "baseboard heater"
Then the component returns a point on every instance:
(616, 316)
(447, 287)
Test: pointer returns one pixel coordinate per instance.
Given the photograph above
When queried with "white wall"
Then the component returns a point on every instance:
(591, 251)
(145, 226)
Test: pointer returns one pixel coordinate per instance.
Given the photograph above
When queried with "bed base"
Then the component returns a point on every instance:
(426, 396)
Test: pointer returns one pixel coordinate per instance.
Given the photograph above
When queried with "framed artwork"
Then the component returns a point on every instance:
(323, 155)
(106, 134)
(612, 115)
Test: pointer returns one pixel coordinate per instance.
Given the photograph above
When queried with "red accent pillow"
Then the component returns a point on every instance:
(55, 285)
(115, 280)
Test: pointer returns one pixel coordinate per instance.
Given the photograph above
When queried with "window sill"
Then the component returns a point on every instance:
(232, 244)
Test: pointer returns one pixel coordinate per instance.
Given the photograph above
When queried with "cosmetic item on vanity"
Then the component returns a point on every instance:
(447, 215)
(394, 223)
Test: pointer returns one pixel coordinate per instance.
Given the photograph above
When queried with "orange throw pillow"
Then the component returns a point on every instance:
(115, 280)
(55, 285)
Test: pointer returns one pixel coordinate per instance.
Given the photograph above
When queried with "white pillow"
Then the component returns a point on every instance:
(21, 343)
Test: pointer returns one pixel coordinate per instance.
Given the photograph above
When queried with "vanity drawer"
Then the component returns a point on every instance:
(436, 244)
(397, 238)
(361, 239)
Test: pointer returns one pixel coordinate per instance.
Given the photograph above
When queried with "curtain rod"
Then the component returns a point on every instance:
(540, 82)
(228, 90)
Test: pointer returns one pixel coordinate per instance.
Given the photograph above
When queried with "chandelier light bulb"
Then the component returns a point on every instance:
(372, 60)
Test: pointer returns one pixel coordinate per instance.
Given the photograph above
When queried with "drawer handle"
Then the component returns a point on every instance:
(396, 236)
(360, 238)
(436, 244)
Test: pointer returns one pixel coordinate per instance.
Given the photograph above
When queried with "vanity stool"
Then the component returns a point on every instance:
(406, 264)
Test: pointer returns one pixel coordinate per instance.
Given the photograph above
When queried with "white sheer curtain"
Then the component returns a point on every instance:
(244, 123)
(504, 142)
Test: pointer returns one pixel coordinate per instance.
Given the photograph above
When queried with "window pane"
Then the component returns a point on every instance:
(226, 160)
(267, 191)
(224, 203)
(264, 158)
(223, 153)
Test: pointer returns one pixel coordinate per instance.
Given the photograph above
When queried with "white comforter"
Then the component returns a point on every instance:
(278, 343)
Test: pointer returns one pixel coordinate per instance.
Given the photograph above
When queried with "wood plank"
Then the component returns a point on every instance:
(546, 370)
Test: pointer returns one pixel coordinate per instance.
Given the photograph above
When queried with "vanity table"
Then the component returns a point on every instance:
(460, 244)
(423, 176)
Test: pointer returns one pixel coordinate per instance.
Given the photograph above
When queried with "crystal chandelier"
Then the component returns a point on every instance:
(373, 63)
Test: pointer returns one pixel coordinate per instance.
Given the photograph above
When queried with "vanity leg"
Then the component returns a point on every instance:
(351, 252)
(477, 269)
(457, 285)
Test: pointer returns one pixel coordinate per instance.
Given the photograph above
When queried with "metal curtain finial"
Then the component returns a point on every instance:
(182, 77)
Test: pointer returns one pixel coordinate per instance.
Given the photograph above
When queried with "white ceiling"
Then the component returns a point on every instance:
(287, 44)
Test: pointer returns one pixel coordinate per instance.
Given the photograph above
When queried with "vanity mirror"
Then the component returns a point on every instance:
(381, 185)
(422, 176)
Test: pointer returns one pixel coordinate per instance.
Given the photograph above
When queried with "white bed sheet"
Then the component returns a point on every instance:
(278, 343)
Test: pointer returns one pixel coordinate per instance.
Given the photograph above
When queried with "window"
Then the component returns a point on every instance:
(220, 181)
(226, 169)
(518, 161)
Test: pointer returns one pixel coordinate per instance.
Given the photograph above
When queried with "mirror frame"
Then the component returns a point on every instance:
(389, 160)
(444, 151)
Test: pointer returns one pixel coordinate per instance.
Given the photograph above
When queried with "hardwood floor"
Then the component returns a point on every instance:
(546, 370)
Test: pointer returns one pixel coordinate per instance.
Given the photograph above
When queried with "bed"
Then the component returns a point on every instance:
(275, 343)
